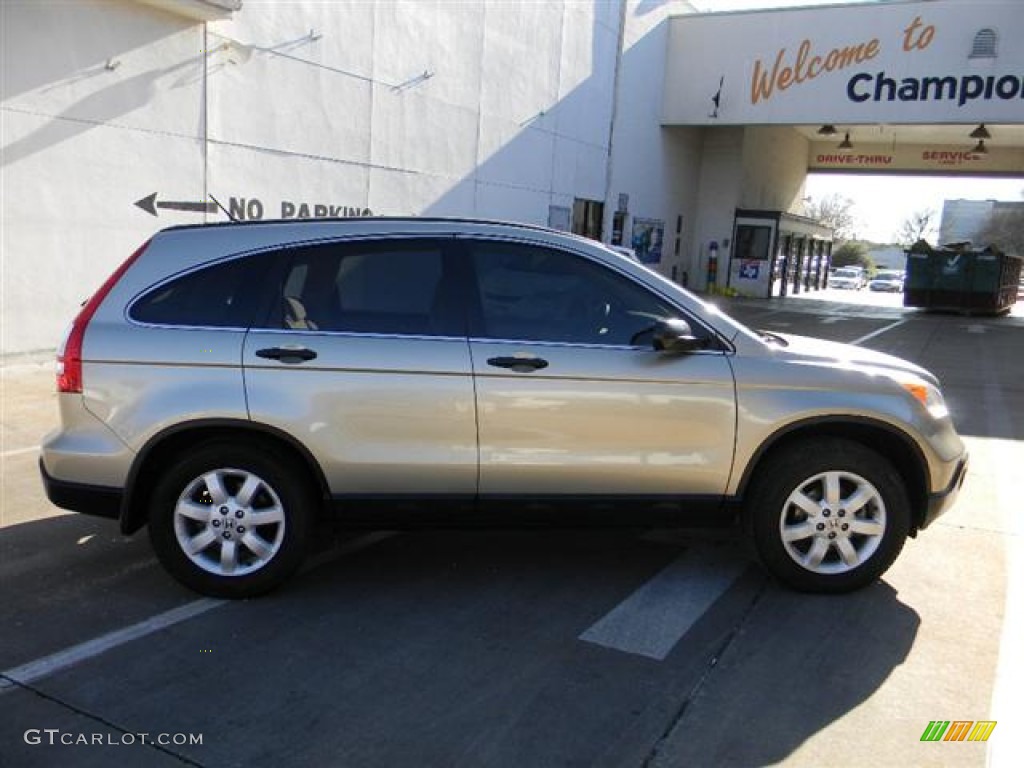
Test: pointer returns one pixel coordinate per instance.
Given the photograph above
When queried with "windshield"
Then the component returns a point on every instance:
(847, 273)
(889, 274)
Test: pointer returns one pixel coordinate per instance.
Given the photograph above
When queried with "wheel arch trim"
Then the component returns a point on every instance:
(132, 513)
(855, 428)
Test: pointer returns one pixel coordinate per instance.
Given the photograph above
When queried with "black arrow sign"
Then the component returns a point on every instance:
(150, 204)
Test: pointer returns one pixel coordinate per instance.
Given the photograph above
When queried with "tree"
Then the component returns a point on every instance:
(916, 226)
(833, 211)
(852, 253)
(1004, 229)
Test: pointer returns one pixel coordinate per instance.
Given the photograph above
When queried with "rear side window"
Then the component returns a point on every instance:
(385, 288)
(224, 295)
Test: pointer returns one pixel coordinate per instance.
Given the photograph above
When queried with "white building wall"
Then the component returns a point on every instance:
(102, 104)
(963, 219)
(720, 185)
(774, 169)
(688, 177)
(657, 168)
(753, 167)
(423, 107)
(889, 258)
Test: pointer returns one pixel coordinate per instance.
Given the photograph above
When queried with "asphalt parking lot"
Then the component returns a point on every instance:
(532, 648)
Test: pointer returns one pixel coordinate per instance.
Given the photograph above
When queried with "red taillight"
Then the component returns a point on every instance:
(69, 354)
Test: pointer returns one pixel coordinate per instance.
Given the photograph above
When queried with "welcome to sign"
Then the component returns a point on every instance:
(926, 62)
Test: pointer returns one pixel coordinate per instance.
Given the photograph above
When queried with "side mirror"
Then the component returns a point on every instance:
(675, 335)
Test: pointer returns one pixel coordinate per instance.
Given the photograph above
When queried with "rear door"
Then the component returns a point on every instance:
(364, 359)
(573, 400)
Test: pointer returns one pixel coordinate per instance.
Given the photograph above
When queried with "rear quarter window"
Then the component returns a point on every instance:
(225, 295)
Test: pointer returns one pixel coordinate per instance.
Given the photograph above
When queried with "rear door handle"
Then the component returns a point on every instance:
(287, 355)
(519, 364)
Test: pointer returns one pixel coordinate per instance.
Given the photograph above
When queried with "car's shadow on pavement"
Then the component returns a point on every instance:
(799, 663)
(455, 646)
(475, 633)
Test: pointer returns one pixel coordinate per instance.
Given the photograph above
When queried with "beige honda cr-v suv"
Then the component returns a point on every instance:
(230, 383)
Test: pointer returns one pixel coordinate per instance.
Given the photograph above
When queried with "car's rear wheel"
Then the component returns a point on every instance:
(828, 515)
(230, 521)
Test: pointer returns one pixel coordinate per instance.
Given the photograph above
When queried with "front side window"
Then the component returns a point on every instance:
(531, 293)
(368, 288)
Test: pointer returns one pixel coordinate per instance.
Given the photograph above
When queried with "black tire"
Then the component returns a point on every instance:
(817, 553)
(252, 540)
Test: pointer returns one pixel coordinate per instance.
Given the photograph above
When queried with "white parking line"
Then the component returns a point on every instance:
(653, 619)
(19, 451)
(1008, 688)
(33, 671)
(29, 673)
(880, 331)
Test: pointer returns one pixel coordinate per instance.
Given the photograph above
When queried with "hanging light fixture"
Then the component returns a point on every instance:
(980, 148)
(981, 132)
(846, 145)
(827, 130)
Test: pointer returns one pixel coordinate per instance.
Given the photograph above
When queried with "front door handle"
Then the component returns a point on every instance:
(519, 364)
(287, 355)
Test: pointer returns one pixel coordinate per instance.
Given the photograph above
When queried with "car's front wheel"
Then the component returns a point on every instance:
(230, 521)
(828, 515)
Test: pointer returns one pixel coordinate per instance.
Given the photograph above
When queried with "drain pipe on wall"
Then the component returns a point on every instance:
(205, 137)
(609, 211)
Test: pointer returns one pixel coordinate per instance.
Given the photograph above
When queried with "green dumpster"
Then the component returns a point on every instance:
(957, 277)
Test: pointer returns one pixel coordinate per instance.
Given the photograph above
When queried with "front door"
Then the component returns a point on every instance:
(572, 398)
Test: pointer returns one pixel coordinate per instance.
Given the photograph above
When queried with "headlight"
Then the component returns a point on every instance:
(928, 395)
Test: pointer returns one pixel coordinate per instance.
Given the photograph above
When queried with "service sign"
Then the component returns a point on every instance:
(915, 158)
(943, 61)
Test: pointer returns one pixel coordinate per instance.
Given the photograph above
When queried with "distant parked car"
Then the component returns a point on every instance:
(889, 280)
(848, 278)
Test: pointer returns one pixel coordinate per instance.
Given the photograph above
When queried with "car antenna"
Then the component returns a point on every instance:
(226, 211)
